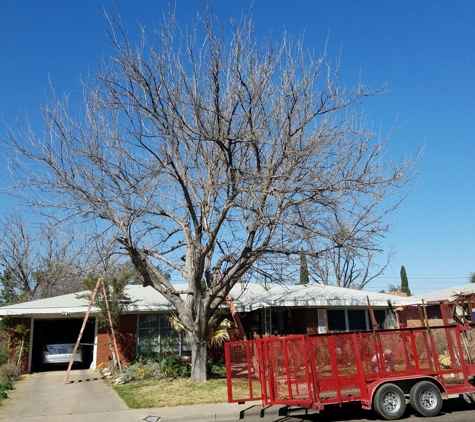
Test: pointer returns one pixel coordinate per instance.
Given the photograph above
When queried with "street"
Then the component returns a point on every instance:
(454, 410)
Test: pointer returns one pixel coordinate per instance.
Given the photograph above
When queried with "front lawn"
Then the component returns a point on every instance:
(167, 392)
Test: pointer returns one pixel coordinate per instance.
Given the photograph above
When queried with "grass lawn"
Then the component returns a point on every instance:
(168, 392)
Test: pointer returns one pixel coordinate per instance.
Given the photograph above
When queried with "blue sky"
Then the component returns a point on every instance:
(423, 50)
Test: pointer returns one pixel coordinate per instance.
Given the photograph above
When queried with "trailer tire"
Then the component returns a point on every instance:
(425, 398)
(389, 401)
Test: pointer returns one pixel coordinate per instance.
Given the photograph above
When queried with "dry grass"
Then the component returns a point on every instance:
(169, 392)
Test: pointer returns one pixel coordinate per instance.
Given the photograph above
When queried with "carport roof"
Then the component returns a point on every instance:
(246, 297)
(141, 299)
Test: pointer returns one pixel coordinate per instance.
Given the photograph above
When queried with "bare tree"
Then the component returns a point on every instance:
(342, 268)
(41, 260)
(205, 151)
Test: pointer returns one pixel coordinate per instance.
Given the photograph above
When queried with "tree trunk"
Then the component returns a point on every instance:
(199, 349)
(198, 359)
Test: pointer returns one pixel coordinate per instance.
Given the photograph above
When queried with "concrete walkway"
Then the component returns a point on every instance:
(87, 397)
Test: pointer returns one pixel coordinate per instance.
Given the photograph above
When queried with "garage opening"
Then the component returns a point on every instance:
(57, 331)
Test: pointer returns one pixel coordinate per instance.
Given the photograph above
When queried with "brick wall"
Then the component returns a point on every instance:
(19, 344)
(126, 341)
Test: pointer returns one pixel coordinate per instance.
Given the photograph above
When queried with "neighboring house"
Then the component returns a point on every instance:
(264, 311)
(446, 294)
(437, 306)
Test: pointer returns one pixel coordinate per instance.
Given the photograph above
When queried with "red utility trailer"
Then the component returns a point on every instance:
(382, 369)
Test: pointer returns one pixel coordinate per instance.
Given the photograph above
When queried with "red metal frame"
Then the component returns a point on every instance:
(316, 370)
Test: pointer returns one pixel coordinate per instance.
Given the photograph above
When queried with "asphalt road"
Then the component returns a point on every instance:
(454, 410)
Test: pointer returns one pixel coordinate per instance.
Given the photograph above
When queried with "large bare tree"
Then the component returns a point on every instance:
(208, 148)
(40, 258)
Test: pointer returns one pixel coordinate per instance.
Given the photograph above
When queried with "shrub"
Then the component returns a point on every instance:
(140, 371)
(3, 349)
(9, 371)
(5, 385)
(173, 366)
(215, 369)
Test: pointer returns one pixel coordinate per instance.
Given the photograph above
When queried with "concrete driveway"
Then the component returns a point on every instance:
(43, 396)
(87, 397)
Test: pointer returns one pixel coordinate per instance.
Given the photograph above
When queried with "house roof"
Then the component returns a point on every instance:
(142, 299)
(256, 296)
(246, 297)
(445, 294)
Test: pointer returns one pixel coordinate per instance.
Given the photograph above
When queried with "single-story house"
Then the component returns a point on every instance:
(446, 294)
(438, 310)
(270, 310)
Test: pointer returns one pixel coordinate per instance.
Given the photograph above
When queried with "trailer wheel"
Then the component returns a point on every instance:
(425, 398)
(389, 401)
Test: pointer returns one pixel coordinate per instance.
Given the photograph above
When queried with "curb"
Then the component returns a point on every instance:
(215, 412)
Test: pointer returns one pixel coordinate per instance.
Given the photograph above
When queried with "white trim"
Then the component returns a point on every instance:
(321, 317)
(368, 318)
(94, 349)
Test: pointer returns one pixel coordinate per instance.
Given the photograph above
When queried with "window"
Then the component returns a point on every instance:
(155, 334)
(348, 319)
(379, 316)
(336, 320)
(357, 320)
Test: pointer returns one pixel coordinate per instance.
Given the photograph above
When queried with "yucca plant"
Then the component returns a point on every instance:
(218, 333)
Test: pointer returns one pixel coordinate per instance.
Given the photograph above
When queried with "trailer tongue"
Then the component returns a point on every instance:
(383, 369)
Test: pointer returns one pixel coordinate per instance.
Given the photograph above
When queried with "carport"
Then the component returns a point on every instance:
(66, 330)
(55, 320)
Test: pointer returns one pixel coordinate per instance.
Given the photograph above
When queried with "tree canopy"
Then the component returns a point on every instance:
(211, 148)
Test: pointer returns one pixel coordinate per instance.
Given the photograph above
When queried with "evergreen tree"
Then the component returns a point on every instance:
(8, 294)
(404, 282)
(303, 268)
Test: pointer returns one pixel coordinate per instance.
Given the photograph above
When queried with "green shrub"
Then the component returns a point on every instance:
(215, 369)
(140, 371)
(3, 350)
(173, 366)
(5, 385)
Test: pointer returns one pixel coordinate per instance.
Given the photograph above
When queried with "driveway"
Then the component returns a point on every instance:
(86, 397)
(42, 396)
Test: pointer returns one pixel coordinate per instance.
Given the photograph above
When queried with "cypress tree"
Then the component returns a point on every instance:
(404, 282)
(303, 268)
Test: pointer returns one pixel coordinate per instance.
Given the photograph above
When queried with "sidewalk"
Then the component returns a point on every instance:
(87, 397)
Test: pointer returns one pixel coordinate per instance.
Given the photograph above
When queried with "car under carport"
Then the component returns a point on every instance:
(66, 330)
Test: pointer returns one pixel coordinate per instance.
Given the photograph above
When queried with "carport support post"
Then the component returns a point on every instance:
(99, 280)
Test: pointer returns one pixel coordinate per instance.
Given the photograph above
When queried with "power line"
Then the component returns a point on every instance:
(428, 278)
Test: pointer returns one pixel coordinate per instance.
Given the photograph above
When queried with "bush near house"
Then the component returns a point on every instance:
(9, 372)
